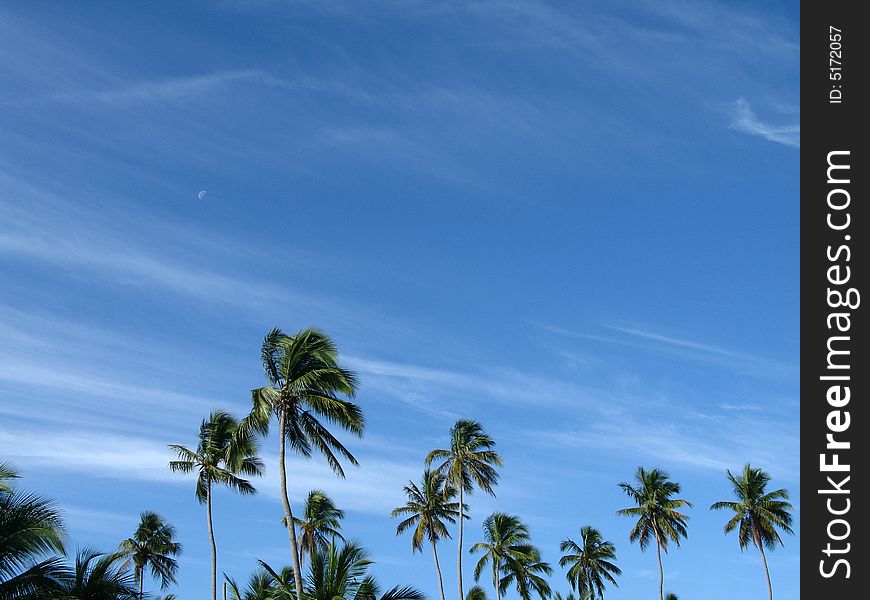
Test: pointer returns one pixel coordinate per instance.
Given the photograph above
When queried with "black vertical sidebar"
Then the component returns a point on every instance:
(835, 372)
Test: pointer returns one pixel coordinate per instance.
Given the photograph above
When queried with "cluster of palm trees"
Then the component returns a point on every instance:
(513, 561)
(32, 553)
(306, 390)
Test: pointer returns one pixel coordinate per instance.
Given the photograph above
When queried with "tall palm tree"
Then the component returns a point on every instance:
(7, 473)
(152, 547)
(223, 451)
(656, 511)
(305, 385)
(342, 572)
(505, 536)
(319, 525)
(427, 509)
(526, 572)
(470, 461)
(31, 542)
(97, 577)
(591, 563)
(757, 513)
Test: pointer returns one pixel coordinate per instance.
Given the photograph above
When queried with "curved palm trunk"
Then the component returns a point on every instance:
(661, 571)
(766, 573)
(288, 514)
(213, 545)
(438, 570)
(459, 555)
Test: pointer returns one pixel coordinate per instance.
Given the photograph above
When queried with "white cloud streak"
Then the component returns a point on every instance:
(745, 120)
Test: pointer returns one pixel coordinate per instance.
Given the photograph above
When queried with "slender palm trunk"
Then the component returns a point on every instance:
(213, 546)
(766, 573)
(661, 571)
(288, 514)
(141, 583)
(438, 570)
(459, 556)
(495, 579)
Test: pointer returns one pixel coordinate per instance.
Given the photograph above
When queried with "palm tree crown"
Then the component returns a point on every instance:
(342, 572)
(223, 450)
(31, 540)
(305, 384)
(320, 523)
(757, 513)
(152, 547)
(590, 563)
(7, 473)
(97, 577)
(526, 572)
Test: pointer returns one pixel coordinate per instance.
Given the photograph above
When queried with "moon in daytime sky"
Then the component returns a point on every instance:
(201, 194)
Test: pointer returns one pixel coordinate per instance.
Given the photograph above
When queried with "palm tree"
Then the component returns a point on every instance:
(342, 573)
(261, 586)
(31, 542)
(671, 596)
(319, 525)
(656, 512)
(152, 547)
(305, 382)
(97, 577)
(590, 562)
(570, 596)
(505, 537)
(469, 461)
(428, 507)
(757, 513)
(223, 451)
(476, 593)
(7, 472)
(524, 570)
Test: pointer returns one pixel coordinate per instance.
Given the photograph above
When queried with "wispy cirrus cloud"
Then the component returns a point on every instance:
(96, 453)
(172, 89)
(745, 120)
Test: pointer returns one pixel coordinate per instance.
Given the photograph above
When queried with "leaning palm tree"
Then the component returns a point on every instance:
(470, 461)
(97, 577)
(591, 563)
(341, 572)
(305, 385)
(656, 511)
(757, 513)
(505, 536)
(31, 542)
(429, 505)
(152, 547)
(224, 451)
(526, 572)
(319, 525)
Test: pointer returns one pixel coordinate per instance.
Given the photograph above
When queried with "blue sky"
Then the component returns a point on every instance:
(575, 223)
